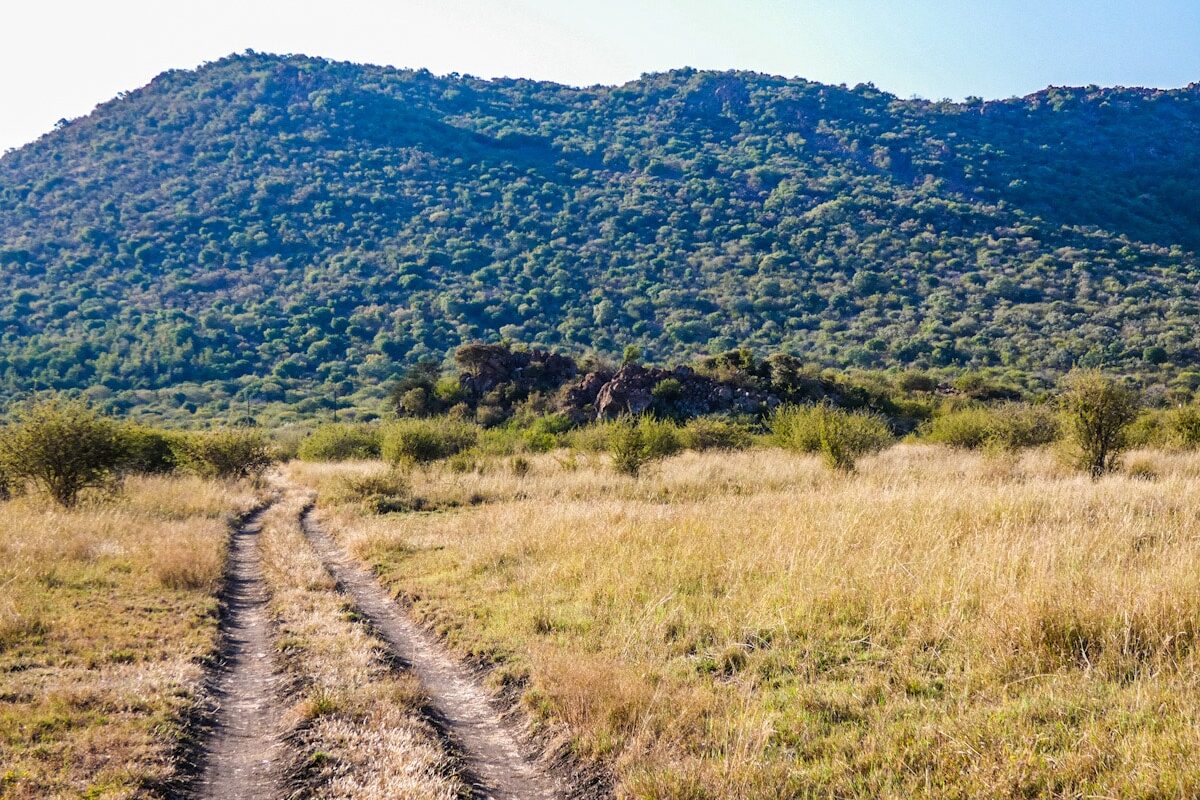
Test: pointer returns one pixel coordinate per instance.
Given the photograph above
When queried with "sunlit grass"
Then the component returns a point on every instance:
(939, 624)
(105, 613)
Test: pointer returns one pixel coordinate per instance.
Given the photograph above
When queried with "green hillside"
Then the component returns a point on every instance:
(284, 227)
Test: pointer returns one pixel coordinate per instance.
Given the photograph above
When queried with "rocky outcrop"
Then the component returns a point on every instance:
(631, 390)
(486, 367)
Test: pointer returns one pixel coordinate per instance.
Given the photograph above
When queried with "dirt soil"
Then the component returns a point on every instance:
(244, 751)
(461, 708)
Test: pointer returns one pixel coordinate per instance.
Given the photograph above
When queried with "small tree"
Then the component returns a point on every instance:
(63, 446)
(1098, 412)
(628, 447)
(633, 442)
(632, 354)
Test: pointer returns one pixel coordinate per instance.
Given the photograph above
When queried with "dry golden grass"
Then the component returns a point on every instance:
(100, 638)
(939, 624)
(357, 724)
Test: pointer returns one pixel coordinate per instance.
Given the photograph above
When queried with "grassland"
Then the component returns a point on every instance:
(106, 613)
(937, 624)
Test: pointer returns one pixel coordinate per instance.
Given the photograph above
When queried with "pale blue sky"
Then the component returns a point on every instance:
(58, 58)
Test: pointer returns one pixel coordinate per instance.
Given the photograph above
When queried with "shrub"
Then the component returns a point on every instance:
(1009, 426)
(380, 492)
(520, 466)
(423, 441)
(667, 391)
(591, 438)
(1142, 470)
(796, 428)
(662, 438)
(840, 436)
(845, 436)
(628, 448)
(148, 451)
(62, 446)
(634, 442)
(714, 433)
(340, 442)
(226, 454)
(1182, 427)
(546, 433)
(1098, 412)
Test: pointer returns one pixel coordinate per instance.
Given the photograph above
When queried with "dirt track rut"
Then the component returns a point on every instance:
(460, 707)
(242, 757)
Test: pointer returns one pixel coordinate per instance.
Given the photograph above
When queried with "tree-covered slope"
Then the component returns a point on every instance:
(278, 224)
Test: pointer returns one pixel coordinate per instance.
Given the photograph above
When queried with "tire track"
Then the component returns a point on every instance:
(459, 706)
(245, 747)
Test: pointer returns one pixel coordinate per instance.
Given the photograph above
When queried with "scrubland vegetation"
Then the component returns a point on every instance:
(934, 595)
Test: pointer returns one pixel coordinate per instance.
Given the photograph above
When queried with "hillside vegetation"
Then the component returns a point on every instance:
(270, 229)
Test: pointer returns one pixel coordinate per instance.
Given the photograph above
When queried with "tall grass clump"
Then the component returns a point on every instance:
(341, 442)
(635, 442)
(841, 437)
(423, 441)
(61, 446)
(225, 454)
(1098, 412)
(1008, 426)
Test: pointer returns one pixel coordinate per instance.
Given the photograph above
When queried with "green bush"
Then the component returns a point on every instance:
(341, 442)
(546, 433)
(1182, 427)
(840, 436)
(423, 441)
(148, 451)
(592, 438)
(1010, 426)
(62, 446)
(635, 442)
(715, 433)
(796, 428)
(1097, 411)
(229, 454)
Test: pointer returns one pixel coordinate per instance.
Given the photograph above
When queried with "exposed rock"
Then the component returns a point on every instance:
(484, 367)
(631, 391)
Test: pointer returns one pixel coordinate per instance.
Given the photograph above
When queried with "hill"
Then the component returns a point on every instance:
(276, 227)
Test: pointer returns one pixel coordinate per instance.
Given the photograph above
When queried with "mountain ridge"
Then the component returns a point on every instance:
(281, 226)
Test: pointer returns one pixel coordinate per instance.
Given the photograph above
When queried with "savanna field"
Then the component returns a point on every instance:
(995, 605)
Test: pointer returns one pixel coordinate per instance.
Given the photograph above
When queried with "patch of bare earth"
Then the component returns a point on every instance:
(245, 746)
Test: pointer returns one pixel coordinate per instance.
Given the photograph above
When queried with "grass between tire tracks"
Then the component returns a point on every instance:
(937, 624)
(356, 727)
